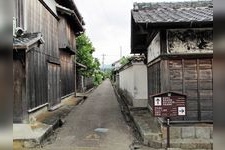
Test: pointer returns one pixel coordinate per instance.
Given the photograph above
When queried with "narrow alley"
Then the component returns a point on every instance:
(96, 124)
(112, 75)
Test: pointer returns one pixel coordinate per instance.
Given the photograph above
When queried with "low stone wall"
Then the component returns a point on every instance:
(198, 136)
(189, 132)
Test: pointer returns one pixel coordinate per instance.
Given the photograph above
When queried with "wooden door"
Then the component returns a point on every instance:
(54, 96)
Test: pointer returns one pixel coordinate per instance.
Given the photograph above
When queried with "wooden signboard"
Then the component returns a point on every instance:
(169, 104)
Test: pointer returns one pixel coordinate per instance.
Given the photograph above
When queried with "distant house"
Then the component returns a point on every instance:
(115, 72)
(116, 65)
(44, 69)
(177, 39)
(81, 81)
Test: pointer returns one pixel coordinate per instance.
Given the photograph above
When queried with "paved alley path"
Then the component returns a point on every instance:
(101, 110)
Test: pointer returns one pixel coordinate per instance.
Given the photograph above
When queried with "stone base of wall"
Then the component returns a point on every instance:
(195, 136)
(140, 103)
(135, 103)
(33, 115)
(189, 132)
(199, 136)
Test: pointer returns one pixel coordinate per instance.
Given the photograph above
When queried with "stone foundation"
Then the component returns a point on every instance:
(133, 102)
(189, 132)
(195, 136)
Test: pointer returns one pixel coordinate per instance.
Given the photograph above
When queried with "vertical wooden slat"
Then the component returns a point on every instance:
(198, 92)
(183, 80)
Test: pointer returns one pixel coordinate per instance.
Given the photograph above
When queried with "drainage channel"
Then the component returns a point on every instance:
(137, 143)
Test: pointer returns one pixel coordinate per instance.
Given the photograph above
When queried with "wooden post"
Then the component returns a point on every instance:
(168, 133)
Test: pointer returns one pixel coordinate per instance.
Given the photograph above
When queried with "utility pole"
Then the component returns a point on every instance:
(103, 61)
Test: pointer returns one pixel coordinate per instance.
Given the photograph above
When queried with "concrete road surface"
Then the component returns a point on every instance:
(97, 124)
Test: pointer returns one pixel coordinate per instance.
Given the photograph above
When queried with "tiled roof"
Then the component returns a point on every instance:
(26, 40)
(200, 11)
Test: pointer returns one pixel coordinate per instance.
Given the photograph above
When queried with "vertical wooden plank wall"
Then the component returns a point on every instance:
(154, 80)
(66, 34)
(19, 87)
(67, 73)
(54, 94)
(39, 19)
(194, 78)
(19, 13)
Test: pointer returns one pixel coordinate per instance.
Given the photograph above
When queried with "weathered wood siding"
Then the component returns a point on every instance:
(54, 91)
(43, 69)
(184, 65)
(67, 73)
(154, 80)
(39, 19)
(40, 84)
(19, 87)
(37, 87)
(154, 48)
(192, 77)
(67, 36)
(19, 12)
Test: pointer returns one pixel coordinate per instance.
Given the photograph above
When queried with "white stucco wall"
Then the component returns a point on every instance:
(134, 81)
(154, 48)
(127, 80)
(140, 82)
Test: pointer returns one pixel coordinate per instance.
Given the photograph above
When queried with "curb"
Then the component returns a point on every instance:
(52, 125)
(33, 142)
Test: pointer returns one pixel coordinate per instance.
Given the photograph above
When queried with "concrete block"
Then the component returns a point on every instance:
(155, 144)
(188, 145)
(145, 141)
(211, 132)
(31, 144)
(204, 145)
(188, 132)
(175, 132)
(164, 133)
(140, 103)
(173, 144)
(202, 132)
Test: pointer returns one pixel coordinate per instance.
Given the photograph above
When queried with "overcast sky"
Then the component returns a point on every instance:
(108, 25)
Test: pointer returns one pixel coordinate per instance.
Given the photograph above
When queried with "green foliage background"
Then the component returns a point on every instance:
(124, 60)
(85, 52)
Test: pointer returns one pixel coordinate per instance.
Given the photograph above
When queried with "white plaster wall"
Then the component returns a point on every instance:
(134, 81)
(127, 80)
(154, 48)
(140, 82)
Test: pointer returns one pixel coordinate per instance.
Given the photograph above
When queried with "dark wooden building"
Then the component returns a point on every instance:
(70, 26)
(44, 68)
(177, 39)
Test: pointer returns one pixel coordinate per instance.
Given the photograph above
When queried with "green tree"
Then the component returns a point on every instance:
(85, 52)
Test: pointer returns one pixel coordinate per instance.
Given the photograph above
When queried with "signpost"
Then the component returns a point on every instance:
(169, 104)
